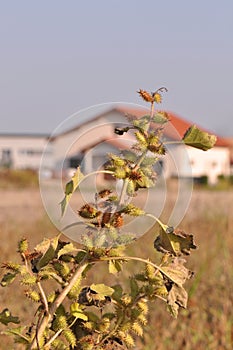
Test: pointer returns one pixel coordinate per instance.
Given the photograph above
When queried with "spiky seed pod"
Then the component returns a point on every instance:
(143, 306)
(135, 175)
(141, 138)
(70, 337)
(11, 266)
(105, 218)
(150, 271)
(76, 289)
(23, 246)
(61, 322)
(28, 279)
(142, 319)
(126, 300)
(104, 193)
(87, 211)
(33, 295)
(145, 95)
(137, 329)
(118, 220)
(129, 341)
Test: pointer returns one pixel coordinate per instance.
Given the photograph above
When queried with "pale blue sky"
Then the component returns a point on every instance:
(58, 57)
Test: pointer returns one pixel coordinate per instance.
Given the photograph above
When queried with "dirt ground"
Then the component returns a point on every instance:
(208, 321)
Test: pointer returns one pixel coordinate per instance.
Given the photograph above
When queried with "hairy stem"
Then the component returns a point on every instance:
(164, 227)
(145, 261)
(52, 309)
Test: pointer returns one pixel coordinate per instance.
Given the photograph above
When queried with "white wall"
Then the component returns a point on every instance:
(25, 151)
(212, 163)
(71, 143)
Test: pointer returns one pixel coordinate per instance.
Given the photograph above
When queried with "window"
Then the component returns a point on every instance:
(30, 152)
(6, 158)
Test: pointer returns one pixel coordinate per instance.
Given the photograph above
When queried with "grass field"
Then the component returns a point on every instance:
(207, 323)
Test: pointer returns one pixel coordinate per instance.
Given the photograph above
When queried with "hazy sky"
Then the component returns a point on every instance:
(58, 57)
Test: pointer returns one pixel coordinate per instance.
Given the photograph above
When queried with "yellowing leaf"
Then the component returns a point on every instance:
(102, 289)
(177, 297)
(77, 312)
(71, 186)
(8, 278)
(199, 139)
(160, 117)
(177, 272)
(6, 317)
(175, 242)
(48, 247)
(67, 249)
(157, 97)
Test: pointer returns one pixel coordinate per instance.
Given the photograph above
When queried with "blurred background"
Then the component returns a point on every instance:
(57, 60)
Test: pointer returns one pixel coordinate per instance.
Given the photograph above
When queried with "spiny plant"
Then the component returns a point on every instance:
(73, 315)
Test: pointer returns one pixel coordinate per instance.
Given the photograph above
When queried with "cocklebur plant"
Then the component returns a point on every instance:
(73, 315)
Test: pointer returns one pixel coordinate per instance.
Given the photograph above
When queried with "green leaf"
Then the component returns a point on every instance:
(8, 278)
(67, 249)
(71, 186)
(177, 272)
(114, 266)
(6, 317)
(199, 139)
(19, 337)
(118, 291)
(48, 248)
(177, 297)
(134, 289)
(102, 289)
(160, 117)
(77, 311)
(175, 242)
(132, 210)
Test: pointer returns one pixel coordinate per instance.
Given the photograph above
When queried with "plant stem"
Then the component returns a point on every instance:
(164, 227)
(137, 165)
(43, 296)
(52, 309)
(173, 142)
(57, 334)
(151, 112)
(123, 192)
(98, 172)
(145, 261)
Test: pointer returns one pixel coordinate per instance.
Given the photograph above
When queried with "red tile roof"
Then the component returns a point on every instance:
(175, 129)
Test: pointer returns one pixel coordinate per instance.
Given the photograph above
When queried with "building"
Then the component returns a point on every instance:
(229, 140)
(88, 143)
(22, 151)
